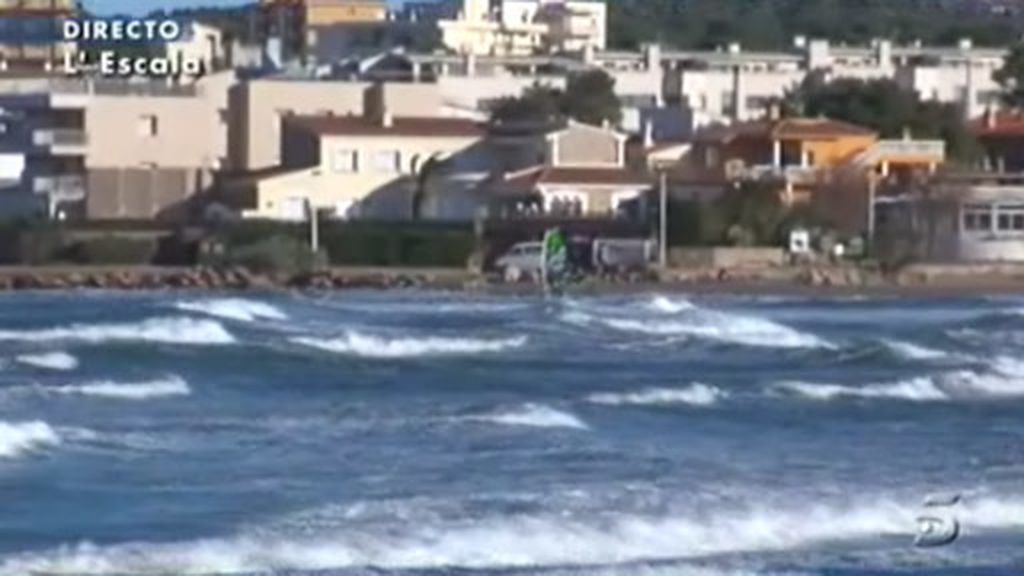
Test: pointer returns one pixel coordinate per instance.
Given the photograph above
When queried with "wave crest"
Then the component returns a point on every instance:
(19, 438)
(233, 309)
(159, 330)
(696, 394)
(159, 388)
(512, 541)
(533, 416)
(49, 360)
(370, 346)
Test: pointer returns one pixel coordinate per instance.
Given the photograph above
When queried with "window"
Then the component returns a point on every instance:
(387, 161)
(977, 218)
(345, 161)
(148, 125)
(1011, 218)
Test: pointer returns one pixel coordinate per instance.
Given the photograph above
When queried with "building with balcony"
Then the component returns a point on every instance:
(524, 27)
(106, 149)
(30, 34)
(802, 157)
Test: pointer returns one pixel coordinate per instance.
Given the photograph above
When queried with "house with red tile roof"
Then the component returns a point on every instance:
(1001, 136)
(370, 167)
(583, 173)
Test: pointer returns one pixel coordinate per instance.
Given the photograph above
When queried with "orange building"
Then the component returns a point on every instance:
(800, 154)
(295, 21)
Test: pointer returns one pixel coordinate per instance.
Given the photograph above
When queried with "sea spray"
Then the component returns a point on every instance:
(371, 346)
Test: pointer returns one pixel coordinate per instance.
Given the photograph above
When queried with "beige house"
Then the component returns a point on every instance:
(584, 174)
(259, 107)
(371, 167)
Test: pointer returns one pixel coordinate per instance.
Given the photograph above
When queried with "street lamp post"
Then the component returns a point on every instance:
(663, 219)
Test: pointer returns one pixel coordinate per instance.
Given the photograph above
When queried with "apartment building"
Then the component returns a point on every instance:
(105, 149)
(30, 32)
(525, 27)
(259, 107)
(367, 166)
(294, 23)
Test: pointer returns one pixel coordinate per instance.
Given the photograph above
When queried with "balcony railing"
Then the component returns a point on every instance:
(65, 186)
(788, 173)
(60, 137)
(911, 147)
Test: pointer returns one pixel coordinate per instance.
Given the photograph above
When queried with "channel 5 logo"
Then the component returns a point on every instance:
(938, 525)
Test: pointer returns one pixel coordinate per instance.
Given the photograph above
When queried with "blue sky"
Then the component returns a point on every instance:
(137, 7)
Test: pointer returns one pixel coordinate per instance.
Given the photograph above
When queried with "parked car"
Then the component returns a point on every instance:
(523, 260)
(623, 255)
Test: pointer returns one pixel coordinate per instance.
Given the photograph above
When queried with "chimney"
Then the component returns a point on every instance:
(386, 119)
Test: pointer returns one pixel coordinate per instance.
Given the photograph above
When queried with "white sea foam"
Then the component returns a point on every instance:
(159, 388)
(19, 438)
(707, 324)
(534, 416)
(233, 309)
(50, 360)
(370, 346)
(510, 541)
(1004, 378)
(696, 394)
(162, 330)
(670, 305)
(912, 351)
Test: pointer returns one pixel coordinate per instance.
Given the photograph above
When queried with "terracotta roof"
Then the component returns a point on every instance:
(586, 176)
(998, 124)
(436, 127)
(785, 129)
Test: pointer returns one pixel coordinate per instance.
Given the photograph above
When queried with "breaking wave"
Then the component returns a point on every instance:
(696, 394)
(1003, 379)
(670, 305)
(370, 346)
(911, 351)
(160, 330)
(233, 309)
(534, 416)
(511, 541)
(708, 324)
(19, 438)
(50, 360)
(164, 387)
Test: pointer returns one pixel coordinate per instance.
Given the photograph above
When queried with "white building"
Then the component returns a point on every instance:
(524, 27)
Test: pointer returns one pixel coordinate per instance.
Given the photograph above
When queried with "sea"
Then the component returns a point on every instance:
(428, 433)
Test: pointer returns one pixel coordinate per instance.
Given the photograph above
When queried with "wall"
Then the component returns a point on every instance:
(585, 146)
(725, 257)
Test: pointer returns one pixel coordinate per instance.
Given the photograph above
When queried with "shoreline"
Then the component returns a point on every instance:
(806, 282)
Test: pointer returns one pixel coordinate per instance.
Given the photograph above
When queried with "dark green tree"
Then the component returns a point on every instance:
(590, 97)
(1011, 77)
(538, 104)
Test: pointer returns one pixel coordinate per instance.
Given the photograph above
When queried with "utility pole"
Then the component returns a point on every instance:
(872, 183)
(314, 227)
(663, 219)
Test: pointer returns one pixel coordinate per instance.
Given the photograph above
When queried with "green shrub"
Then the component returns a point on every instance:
(116, 250)
(273, 255)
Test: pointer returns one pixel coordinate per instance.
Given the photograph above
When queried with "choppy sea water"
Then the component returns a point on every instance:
(428, 434)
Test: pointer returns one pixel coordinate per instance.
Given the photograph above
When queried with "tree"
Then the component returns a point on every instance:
(590, 97)
(888, 108)
(538, 104)
(1011, 77)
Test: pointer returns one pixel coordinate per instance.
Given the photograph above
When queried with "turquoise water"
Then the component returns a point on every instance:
(426, 434)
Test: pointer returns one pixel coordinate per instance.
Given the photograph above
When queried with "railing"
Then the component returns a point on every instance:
(70, 185)
(789, 173)
(883, 148)
(60, 137)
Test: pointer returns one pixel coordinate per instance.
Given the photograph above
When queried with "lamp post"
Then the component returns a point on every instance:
(314, 227)
(663, 219)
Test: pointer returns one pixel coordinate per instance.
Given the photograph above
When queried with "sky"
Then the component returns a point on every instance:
(139, 7)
